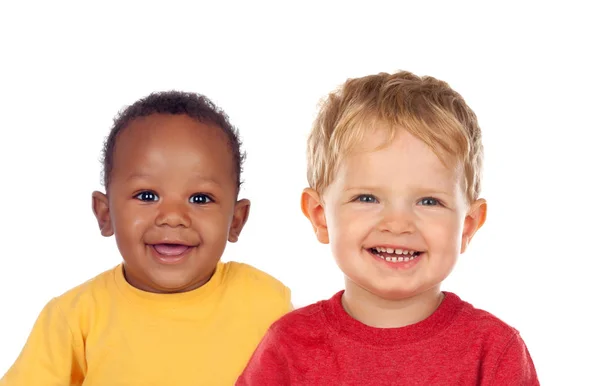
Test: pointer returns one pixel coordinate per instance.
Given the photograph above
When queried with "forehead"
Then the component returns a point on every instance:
(404, 158)
(162, 143)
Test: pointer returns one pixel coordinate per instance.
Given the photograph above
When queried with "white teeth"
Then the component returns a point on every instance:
(400, 255)
(397, 259)
(394, 251)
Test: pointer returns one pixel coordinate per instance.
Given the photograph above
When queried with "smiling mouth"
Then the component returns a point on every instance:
(395, 255)
(170, 254)
(171, 250)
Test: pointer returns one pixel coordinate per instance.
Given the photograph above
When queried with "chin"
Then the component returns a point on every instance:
(394, 293)
(164, 283)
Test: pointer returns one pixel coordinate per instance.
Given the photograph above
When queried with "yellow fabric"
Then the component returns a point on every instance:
(108, 333)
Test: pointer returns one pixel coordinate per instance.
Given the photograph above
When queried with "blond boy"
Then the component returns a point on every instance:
(394, 168)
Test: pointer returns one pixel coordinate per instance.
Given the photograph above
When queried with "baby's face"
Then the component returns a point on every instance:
(397, 218)
(172, 201)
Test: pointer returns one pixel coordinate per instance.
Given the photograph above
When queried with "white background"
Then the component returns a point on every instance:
(530, 72)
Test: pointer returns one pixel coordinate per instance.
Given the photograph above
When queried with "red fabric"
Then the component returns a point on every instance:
(457, 345)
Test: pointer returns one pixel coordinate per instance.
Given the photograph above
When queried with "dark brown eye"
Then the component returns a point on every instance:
(147, 196)
(200, 199)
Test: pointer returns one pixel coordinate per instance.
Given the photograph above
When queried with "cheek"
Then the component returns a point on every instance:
(131, 220)
(443, 234)
(349, 225)
(212, 224)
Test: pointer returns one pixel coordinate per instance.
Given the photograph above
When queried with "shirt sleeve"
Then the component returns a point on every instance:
(515, 366)
(50, 356)
(267, 366)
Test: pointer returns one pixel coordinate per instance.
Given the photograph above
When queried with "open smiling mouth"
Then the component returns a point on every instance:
(166, 253)
(395, 255)
(171, 249)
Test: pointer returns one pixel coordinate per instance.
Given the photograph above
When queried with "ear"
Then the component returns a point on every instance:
(313, 209)
(473, 221)
(241, 211)
(102, 213)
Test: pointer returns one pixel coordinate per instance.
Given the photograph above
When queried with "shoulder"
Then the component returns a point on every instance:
(73, 308)
(86, 294)
(256, 288)
(483, 321)
(305, 323)
(492, 334)
(504, 356)
(253, 279)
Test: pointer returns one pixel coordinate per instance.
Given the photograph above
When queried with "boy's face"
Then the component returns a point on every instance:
(396, 218)
(171, 202)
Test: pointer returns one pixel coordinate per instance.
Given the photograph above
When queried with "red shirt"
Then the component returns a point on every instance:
(457, 345)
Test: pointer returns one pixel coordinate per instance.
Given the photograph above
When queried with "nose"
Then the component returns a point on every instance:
(397, 219)
(173, 213)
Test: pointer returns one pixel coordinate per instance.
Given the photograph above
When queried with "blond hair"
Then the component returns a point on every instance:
(424, 106)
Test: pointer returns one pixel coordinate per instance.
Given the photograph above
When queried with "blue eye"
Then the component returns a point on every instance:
(200, 199)
(366, 198)
(147, 196)
(429, 201)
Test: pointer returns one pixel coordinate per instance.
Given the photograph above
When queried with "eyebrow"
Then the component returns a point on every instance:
(420, 190)
(141, 176)
(370, 188)
(135, 176)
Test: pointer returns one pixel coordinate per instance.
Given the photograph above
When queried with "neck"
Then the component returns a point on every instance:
(375, 311)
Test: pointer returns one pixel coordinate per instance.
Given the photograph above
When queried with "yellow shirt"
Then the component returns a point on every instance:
(107, 333)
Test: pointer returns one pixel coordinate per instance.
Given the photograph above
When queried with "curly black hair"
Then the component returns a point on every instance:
(194, 105)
